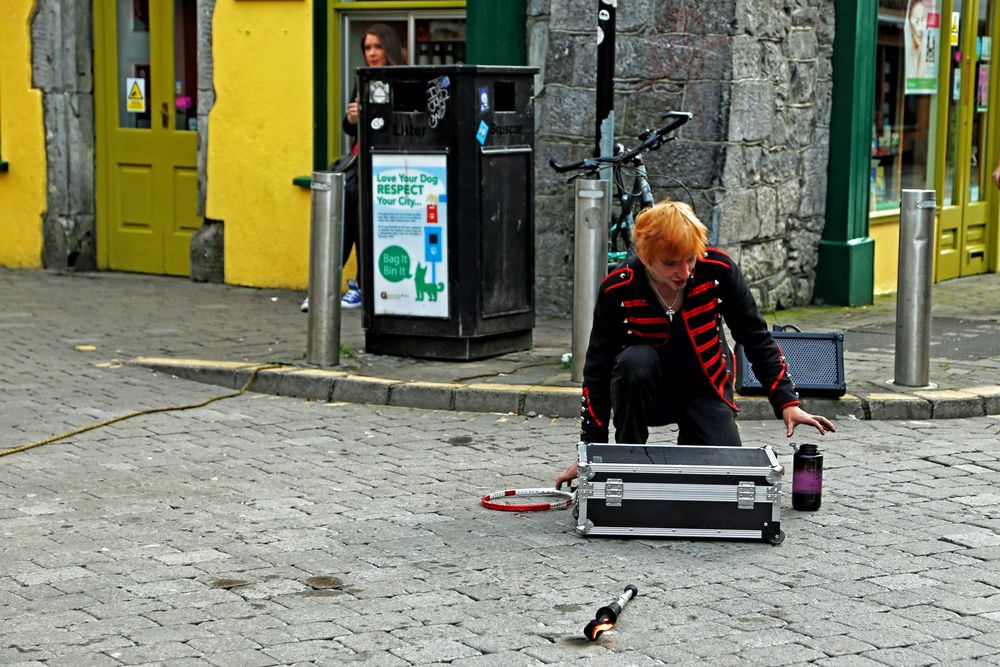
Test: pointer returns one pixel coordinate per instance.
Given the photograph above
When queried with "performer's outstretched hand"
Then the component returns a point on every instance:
(793, 415)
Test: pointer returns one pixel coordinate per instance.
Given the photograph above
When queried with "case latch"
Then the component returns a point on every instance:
(746, 493)
(614, 490)
(774, 493)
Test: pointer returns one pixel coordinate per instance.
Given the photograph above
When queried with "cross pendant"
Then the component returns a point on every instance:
(670, 314)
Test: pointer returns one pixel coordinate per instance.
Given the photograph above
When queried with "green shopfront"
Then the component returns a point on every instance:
(921, 115)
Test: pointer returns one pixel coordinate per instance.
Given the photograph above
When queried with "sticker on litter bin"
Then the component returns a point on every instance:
(484, 99)
(410, 234)
(437, 99)
(378, 92)
(484, 130)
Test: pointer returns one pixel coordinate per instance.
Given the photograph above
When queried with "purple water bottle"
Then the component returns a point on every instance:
(807, 478)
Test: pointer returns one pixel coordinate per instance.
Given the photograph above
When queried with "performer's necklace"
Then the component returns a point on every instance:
(668, 308)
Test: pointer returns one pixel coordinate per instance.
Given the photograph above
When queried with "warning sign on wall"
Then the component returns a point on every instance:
(135, 95)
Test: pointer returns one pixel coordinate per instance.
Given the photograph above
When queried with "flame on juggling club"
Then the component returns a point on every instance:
(606, 617)
(597, 627)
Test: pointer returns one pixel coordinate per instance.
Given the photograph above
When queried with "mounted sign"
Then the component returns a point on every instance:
(410, 234)
(921, 38)
(135, 95)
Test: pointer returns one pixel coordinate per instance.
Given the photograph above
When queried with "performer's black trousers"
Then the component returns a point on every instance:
(640, 399)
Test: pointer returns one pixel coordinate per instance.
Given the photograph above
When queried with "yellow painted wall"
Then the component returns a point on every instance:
(260, 138)
(885, 233)
(22, 142)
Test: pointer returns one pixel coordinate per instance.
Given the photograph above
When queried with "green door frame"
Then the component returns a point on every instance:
(495, 32)
(845, 273)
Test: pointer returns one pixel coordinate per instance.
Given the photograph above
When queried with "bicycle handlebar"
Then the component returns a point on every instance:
(679, 118)
(650, 141)
(590, 164)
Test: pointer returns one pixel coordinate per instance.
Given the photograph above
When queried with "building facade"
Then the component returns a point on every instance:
(933, 126)
(132, 131)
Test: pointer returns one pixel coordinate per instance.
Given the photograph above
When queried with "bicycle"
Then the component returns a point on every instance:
(623, 161)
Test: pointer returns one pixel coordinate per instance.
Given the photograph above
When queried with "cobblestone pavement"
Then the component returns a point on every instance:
(263, 530)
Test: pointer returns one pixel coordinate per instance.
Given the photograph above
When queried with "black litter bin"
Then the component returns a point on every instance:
(446, 188)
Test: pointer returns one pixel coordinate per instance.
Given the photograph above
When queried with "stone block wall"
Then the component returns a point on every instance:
(756, 74)
(206, 92)
(62, 68)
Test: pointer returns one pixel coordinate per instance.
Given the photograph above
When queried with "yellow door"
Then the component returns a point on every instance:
(145, 82)
(967, 191)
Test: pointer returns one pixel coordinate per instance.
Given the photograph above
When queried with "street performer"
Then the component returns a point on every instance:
(657, 352)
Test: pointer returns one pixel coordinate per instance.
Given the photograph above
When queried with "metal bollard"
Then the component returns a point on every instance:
(326, 221)
(913, 289)
(590, 263)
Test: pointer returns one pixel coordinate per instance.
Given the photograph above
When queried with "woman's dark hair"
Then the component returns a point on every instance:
(390, 42)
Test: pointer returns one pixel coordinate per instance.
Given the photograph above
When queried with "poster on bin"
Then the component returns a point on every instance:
(410, 235)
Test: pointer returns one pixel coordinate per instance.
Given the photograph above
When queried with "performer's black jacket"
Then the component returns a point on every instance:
(628, 313)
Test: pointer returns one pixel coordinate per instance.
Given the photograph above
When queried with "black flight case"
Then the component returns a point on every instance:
(679, 491)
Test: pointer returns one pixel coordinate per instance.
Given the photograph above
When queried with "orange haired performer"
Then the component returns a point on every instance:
(657, 352)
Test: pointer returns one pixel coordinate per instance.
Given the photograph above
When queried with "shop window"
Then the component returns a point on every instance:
(980, 162)
(440, 41)
(426, 41)
(185, 65)
(906, 73)
(976, 109)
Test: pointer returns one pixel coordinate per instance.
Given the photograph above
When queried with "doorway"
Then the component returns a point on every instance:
(965, 187)
(146, 100)
(428, 37)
